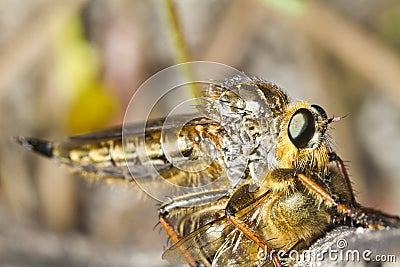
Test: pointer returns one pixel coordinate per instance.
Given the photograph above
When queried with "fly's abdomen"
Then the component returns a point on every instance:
(183, 155)
(103, 158)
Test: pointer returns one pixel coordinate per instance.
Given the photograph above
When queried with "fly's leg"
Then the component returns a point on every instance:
(384, 218)
(392, 220)
(250, 233)
(323, 194)
(179, 206)
(364, 217)
(343, 171)
(242, 199)
(169, 229)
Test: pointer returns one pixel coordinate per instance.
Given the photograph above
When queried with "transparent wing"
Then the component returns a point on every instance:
(238, 250)
(219, 243)
(201, 244)
(152, 125)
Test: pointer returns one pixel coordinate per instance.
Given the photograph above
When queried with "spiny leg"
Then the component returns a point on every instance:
(247, 231)
(343, 171)
(322, 193)
(169, 229)
(389, 219)
(355, 213)
(392, 219)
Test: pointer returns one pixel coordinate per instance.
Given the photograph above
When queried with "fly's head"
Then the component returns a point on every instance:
(302, 141)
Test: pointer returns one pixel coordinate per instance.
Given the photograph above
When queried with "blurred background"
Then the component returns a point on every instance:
(69, 67)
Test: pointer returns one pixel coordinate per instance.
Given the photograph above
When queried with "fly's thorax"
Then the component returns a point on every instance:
(301, 143)
(246, 108)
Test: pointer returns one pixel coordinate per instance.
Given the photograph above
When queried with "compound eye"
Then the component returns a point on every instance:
(320, 111)
(301, 127)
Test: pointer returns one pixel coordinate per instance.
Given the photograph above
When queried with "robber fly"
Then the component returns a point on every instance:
(275, 181)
